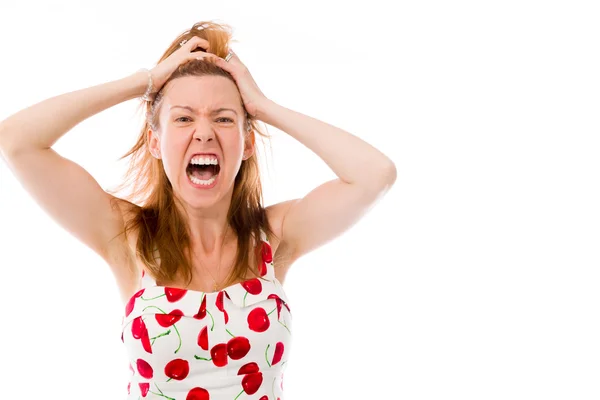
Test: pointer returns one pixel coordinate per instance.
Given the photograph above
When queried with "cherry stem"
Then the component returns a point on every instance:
(154, 307)
(213, 320)
(229, 332)
(174, 327)
(244, 303)
(162, 334)
(179, 336)
(266, 358)
(285, 326)
(142, 297)
(161, 393)
(239, 394)
(208, 312)
(202, 358)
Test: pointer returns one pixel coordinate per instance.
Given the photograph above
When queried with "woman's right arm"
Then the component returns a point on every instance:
(66, 191)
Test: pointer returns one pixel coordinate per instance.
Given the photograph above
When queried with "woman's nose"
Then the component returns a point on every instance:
(204, 131)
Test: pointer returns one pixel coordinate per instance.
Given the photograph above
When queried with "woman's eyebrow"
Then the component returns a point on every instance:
(218, 110)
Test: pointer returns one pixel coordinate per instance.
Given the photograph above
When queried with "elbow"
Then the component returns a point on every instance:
(11, 143)
(7, 148)
(390, 173)
(4, 148)
(381, 180)
(387, 176)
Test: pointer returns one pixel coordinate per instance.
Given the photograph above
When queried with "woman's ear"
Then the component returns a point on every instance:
(153, 144)
(249, 145)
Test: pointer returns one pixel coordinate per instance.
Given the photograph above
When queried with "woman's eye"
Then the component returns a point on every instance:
(182, 119)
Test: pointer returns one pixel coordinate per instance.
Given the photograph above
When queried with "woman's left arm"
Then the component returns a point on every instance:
(364, 175)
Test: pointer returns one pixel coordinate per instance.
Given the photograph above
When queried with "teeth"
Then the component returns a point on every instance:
(201, 181)
(204, 160)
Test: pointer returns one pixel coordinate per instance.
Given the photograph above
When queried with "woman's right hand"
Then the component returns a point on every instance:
(162, 72)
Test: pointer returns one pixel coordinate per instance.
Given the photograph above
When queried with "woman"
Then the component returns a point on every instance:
(200, 263)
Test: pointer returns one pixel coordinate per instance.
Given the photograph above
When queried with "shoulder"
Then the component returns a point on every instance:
(275, 215)
(283, 253)
(121, 252)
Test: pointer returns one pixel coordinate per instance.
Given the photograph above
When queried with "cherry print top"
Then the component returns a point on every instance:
(192, 345)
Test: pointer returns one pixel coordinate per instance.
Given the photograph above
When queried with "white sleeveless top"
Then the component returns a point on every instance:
(190, 345)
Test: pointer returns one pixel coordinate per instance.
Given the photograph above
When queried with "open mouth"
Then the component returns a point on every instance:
(203, 174)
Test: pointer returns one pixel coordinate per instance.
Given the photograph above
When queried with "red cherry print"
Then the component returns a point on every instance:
(202, 311)
(197, 393)
(278, 302)
(166, 320)
(219, 304)
(219, 301)
(131, 302)
(138, 327)
(177, 369)
(144, 369)
(144, 387)
(129, 388)
(139, 331)
(249, 368)
(251, 382)
(267, 254)
(131, 369)
(252, 286)
(263, 268)
(143, 272)
(174, 294)
(122, 338)
(146, 343)
(203, 338)
(219, 354)
(265, 397)
(238, 347)
(278, 353)
(258, 320)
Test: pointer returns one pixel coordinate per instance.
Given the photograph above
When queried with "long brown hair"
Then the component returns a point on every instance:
(161, 226)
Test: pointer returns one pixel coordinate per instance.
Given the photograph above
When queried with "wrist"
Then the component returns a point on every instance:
(137, 84)
(264, 109)
(149, 84)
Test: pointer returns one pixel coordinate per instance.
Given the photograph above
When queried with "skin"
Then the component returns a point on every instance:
(70, 195)
(182, 133)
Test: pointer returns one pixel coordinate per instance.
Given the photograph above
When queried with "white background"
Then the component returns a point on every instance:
(476, 277)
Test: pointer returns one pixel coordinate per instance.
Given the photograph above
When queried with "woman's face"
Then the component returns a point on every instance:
(201, 115)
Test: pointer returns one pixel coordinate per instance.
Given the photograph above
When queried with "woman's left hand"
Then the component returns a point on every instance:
(252, 96)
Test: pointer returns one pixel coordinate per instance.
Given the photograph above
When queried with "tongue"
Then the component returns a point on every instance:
(204, 173)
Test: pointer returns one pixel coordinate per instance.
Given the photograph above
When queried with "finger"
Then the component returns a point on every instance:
(220, 62)
(197, 42)
(202, 56)
(234, 60)
(233, 55)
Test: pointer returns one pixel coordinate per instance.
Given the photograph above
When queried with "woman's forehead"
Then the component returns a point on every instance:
(206, 91)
